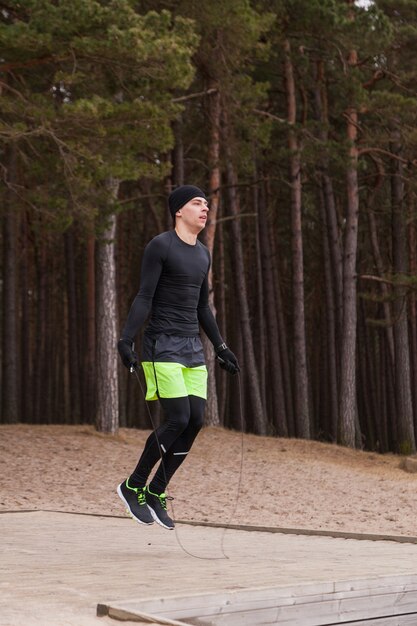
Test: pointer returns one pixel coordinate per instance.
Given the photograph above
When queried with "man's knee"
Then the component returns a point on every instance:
(177, 413)
(197, 406)
(182, 420)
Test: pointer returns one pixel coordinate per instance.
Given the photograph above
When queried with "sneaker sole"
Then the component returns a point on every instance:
(121, 496)
(158, 521)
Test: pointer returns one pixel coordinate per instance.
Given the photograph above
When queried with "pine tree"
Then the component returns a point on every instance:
(88, 97)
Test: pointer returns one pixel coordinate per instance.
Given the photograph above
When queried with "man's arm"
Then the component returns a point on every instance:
(208, 323)
(152, 263)
(206, 317)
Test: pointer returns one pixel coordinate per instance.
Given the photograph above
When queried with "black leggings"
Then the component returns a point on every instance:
(184, 418)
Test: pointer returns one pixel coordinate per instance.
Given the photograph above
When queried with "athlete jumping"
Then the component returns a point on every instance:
(174, 289)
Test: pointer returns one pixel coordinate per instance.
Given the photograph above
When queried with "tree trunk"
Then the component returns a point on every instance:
(212, 416)
(333, 230)
(25, 332)
(373, 231)
(178, 154)
(302, 416)
(412, 247)
(90, 361)
(347, 396)
(221, 305)
(378, 258)
(405, 418)
(260, 420)
(282, 333)
(259, 297)
(275, 378)
(365, 373)
(332, 255)
(331, 325)
(41, 330)
(74, 362)
(10, 343)
(380, 371)
(107, 416)
(335, 252)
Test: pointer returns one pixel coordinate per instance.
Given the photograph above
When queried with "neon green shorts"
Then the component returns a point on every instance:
(174, 380)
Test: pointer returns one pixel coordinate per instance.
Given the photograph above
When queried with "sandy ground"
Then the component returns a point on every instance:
(283, 482)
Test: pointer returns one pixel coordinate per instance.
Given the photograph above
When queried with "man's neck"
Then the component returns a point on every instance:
(186, 235)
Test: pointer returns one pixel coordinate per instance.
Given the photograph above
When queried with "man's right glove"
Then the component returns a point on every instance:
(128, 355)
(227, 359)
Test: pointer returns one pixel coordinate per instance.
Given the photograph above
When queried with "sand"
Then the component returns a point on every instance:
(279, 482)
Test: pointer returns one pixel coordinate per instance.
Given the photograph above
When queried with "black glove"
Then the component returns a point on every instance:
(128, 355)
(227, 359)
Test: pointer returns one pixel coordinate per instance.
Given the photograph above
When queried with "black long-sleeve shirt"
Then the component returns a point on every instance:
(174, 289)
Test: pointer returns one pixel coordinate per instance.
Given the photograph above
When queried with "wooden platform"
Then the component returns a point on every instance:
(388, 600)
(56, 568)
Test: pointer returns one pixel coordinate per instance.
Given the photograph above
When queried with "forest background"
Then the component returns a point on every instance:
(298, 117)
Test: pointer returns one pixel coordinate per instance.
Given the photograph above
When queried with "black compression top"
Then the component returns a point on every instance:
(174, 286)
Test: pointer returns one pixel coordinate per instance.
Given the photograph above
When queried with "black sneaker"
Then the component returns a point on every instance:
(134, 499)
(158, 507)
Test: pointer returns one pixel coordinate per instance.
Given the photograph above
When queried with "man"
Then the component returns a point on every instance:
(174, 288)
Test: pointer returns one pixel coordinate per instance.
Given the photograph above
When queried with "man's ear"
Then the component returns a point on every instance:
(178, 213)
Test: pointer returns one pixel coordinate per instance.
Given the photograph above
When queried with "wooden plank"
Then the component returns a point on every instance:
(122, 615)
(337, 534)
(286, 594)
(317, 604)
(406, 620)
(319, 614)
(269, 617)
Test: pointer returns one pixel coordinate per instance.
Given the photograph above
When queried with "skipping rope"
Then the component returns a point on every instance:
(238, 486)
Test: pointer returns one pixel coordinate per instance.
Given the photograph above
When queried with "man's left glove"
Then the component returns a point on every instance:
(227, 359)
(128, 355)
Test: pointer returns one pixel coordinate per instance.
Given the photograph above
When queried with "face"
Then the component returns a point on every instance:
(193, 215)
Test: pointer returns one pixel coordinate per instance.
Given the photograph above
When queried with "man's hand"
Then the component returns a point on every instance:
(128, 355)
(227, 359)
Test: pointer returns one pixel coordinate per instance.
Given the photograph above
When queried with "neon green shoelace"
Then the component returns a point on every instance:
(163, 500)
(141, 496)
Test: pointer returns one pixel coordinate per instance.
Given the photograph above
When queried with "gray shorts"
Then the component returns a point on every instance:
(187, 351)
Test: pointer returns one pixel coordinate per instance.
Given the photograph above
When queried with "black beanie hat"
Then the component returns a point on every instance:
(182, 195)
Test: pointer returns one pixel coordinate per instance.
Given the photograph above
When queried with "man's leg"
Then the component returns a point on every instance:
(181, 446)
(195, 381)
(172, 383)
(155, 492)
(177, 417)
(132, 491)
